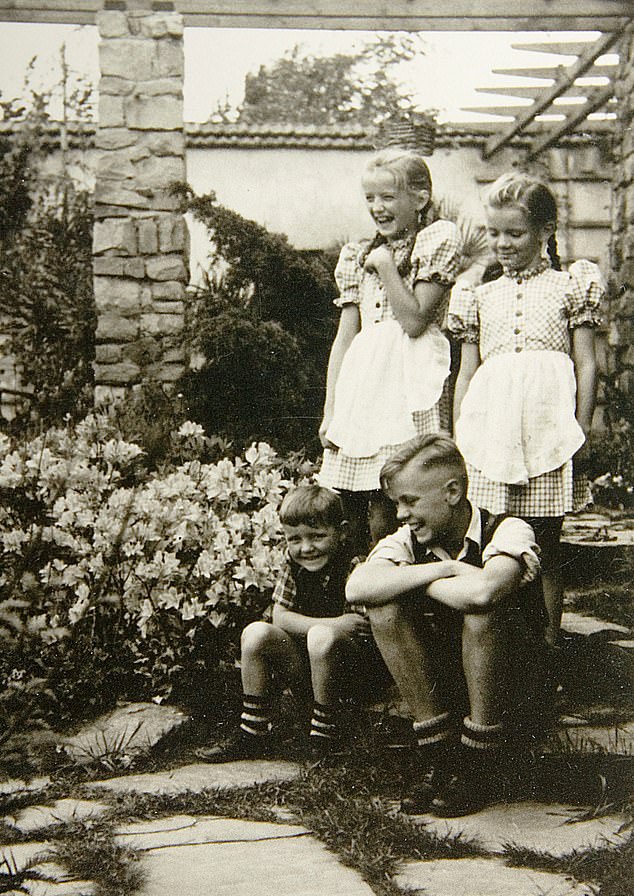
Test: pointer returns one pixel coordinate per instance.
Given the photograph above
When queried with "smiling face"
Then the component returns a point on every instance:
(394, 209)
(517, 243)
(312, 547)
(425, 499)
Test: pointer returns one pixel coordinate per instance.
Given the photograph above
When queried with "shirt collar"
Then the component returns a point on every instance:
(473, 534)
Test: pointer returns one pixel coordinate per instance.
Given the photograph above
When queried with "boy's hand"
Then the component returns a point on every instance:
(353, 624)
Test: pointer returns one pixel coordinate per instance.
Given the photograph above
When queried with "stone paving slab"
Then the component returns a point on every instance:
(188, 830)
(14, 786)
(246, 858)
(202, 776)
(483, 877)
(536, 826)
(61, 811)
(61, 888)
(615, 739)
(124, 733)
(21, 854)
(578, 624)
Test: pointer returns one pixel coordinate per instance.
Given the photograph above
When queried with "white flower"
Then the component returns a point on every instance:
(188, 428)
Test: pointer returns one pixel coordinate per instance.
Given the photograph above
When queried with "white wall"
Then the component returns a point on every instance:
(314, 196)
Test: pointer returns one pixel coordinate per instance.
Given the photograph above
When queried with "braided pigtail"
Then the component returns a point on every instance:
(553, 252)
(377, 240)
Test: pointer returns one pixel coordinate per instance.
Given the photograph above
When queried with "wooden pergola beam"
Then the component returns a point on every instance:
(393, 15)
(595, 101)
(564, 80)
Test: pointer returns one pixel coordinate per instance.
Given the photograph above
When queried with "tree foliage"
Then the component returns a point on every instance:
(359, 86)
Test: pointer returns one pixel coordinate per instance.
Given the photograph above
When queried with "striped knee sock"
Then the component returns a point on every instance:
(324, 722)
(256, 716)
(437, 730)
(484, 738)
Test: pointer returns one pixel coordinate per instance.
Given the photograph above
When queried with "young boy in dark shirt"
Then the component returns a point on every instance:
(311, 633)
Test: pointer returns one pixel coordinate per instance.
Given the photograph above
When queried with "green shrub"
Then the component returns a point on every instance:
(46, 293)
(262, 327)
(47, 305)
(123, 581)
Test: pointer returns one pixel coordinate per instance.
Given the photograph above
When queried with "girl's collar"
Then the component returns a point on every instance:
(526, 274)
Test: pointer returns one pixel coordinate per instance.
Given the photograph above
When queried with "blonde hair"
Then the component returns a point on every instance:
(430, 451)
(408, 168)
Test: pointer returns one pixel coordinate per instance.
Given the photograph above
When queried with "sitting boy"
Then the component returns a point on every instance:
(455, 606)
(314, 635)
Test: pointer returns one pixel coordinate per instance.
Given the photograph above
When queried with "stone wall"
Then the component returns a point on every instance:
(140, 242)
(621, 334)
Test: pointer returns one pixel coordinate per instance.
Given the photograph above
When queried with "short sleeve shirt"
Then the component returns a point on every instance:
(541, 309)
(435, 256)
(512, 538)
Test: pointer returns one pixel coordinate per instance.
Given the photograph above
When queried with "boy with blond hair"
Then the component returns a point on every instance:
(455, 605)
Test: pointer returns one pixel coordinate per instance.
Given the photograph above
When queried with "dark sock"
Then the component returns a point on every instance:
(255, 720)
(437, 730)
(483, 739)
(325, 721)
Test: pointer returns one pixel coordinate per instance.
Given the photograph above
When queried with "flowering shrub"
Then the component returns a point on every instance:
(612, 490)
(117, 580)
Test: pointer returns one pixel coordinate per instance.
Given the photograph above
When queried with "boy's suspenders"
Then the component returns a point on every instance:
(530, 597)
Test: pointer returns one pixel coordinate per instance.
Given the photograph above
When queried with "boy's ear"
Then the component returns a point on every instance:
(344, 530)
(548, 229)
(454, 491)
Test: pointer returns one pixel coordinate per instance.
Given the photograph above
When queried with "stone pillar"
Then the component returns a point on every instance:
(140, 243)
(621, 335)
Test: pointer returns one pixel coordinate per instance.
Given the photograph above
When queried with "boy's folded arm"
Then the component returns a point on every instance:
(298, 624)
(291, 621)
(479, 590)
(378, 582)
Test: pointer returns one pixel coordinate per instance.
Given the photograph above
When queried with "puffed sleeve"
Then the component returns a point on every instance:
(348, 276)
(515, 538)
(463, 319)
(585, 292)
(437, 253)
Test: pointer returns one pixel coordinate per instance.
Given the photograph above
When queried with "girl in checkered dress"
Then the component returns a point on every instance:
(526, 390)
(389, 360)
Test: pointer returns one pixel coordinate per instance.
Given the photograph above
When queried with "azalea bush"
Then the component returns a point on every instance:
(121, 580)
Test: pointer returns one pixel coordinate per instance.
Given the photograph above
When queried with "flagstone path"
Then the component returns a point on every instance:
(194, 855)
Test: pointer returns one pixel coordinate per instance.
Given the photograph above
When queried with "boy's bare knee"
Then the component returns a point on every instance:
(321, 640)
(480, 624)
(255, 636)
(385, 618)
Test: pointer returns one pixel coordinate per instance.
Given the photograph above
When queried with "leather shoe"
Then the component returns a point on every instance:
(242, 746)
(421, 798)
(464, 795)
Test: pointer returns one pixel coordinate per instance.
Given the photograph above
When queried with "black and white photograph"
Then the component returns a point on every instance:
(316, 455)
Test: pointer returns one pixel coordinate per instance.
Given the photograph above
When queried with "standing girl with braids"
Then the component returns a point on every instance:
(389, 360)
(526, 389)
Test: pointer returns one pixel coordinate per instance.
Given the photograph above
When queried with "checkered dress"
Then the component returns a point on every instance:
(435, 257)
(531, 311)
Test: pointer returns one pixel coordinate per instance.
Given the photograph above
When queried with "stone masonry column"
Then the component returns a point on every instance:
(621, 335)
(140, 242)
